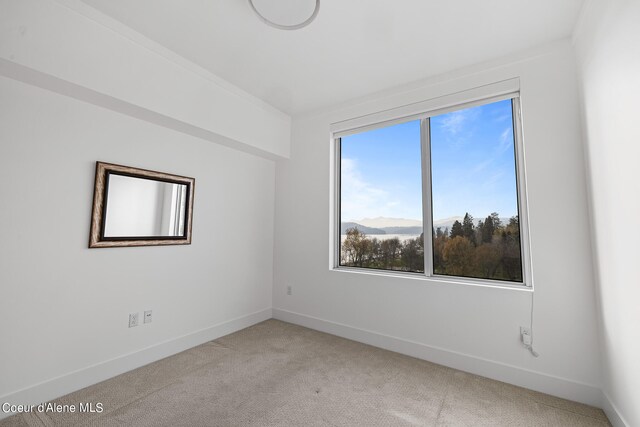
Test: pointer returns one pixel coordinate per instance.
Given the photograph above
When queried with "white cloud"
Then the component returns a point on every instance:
(506, 140)
(480, 167)
(454, 122)
(359, 198)
(362, 199)
(502, 118)
(490, 182)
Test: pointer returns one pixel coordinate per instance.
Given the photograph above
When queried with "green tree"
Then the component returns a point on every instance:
(439, 240)
(488, 229)
(514, 225)
(468, 229)
(497, 223)
(479, 229)
(456, 230)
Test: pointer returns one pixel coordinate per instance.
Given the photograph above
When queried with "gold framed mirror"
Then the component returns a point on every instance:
(139, 207)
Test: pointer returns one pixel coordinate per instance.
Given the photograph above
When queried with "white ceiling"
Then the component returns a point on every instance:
(353, 48)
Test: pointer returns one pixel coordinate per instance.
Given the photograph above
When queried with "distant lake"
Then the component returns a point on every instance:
(401, 237)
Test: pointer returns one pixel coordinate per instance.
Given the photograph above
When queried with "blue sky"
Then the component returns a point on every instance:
(473, 168)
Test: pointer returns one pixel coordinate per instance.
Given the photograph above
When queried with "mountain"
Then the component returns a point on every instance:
(447, 222)
(377, 231)
(403, 230)
(344, 226)
(382, 222)
(382, 225)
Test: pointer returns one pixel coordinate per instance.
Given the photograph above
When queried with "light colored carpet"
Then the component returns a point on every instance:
(279, 374)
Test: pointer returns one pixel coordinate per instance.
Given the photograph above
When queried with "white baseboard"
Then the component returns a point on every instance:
(538, 381)
(81, 378)
(612, 412)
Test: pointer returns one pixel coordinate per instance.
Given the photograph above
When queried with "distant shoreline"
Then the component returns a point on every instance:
(401, 237)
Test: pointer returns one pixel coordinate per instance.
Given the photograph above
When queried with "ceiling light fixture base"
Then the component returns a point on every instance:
(282, 26)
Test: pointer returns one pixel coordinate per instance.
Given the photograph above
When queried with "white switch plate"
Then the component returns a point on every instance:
(133, 320)
(147, 316)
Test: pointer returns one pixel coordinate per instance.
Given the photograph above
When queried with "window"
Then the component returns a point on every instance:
(438, 194)
(381, 199)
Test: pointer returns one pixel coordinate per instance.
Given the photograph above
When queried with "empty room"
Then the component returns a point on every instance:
(319, 213)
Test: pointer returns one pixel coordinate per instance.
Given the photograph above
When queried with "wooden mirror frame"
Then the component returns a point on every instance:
(96, 236)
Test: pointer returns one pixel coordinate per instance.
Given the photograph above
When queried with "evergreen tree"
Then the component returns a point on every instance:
(497, 224)
(468, 229)
(479, 228)
(456, 230)
(441, 238)
(487, 230)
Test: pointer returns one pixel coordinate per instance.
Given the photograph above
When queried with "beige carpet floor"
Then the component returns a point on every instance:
(279, 374)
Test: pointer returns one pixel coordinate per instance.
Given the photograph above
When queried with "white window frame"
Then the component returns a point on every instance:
(423, 111)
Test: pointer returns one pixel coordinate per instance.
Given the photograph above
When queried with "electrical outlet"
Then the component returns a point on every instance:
(525, 335)
(133, 320)
(147, 316)
(289, 290)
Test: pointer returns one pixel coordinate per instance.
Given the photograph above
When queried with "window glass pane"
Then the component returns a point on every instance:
(381, 199)
(476, 231)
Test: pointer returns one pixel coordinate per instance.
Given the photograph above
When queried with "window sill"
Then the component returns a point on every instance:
(485, 283)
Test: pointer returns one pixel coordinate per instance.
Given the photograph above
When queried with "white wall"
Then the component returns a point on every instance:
(77, 87)
(607, 42)
(64, 308)
(468, 327)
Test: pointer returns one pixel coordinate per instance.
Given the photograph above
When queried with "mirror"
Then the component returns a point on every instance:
(138, 207)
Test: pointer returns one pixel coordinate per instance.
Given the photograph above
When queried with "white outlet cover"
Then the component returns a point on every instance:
(147, 316)
(133, 320)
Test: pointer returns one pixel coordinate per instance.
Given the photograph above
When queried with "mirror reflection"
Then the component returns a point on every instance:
(140, 207)
(144, 207)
